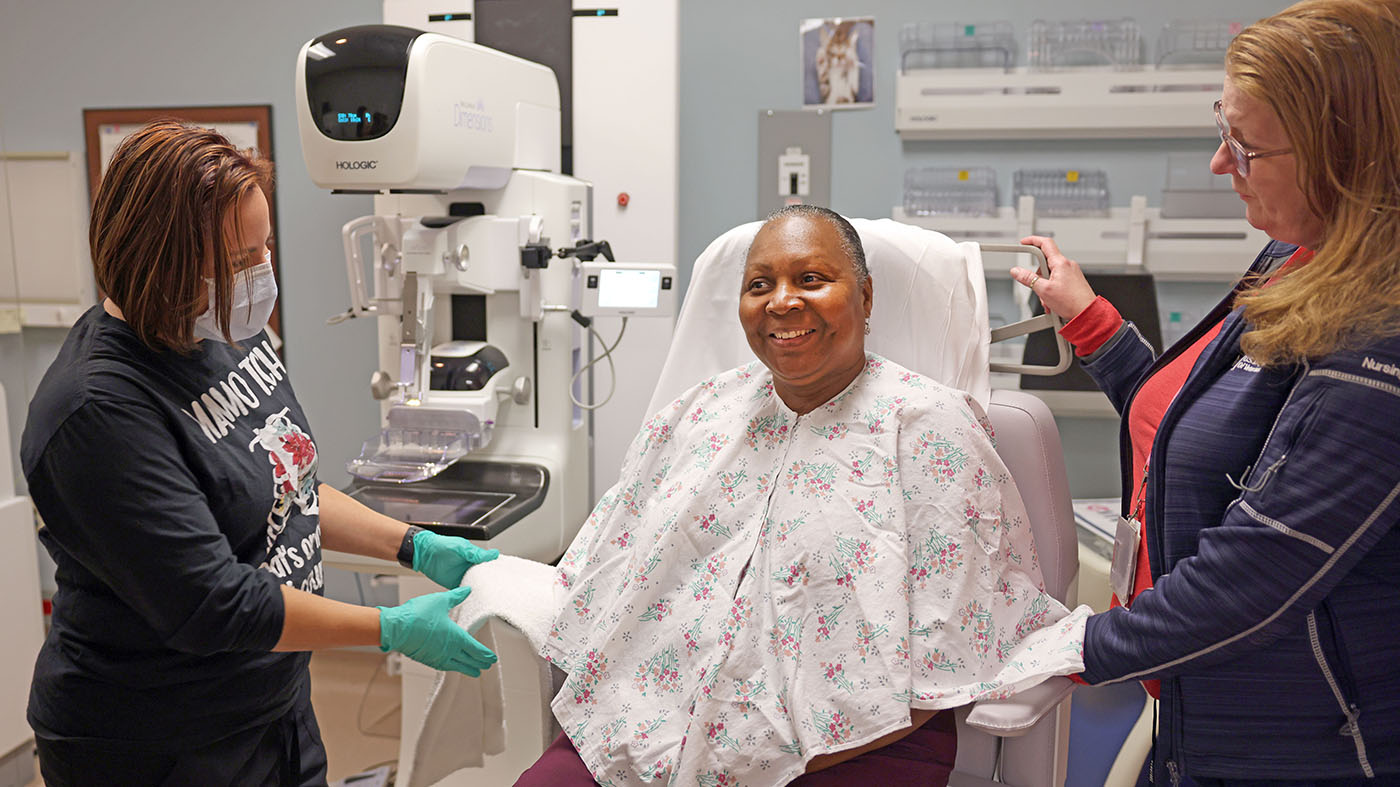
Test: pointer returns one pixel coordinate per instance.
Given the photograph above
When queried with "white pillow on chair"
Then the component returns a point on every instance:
(929, 313)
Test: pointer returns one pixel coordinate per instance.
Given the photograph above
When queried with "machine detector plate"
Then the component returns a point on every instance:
(459, 508)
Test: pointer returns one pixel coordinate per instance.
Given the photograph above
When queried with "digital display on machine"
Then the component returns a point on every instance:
(432, 506)
(628, 289)
(355, 80)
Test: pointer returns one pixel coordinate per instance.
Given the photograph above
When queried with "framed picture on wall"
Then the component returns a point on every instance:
(838, 62)
(248, 126)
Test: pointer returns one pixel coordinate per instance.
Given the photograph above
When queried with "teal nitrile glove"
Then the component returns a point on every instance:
(444, 559)
(422, 629)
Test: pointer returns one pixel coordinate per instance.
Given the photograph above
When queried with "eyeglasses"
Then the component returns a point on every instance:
(1242, 156)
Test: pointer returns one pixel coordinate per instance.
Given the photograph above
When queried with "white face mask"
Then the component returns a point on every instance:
(256, 288)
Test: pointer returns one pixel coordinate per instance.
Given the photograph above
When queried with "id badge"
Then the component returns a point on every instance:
(1125, 551)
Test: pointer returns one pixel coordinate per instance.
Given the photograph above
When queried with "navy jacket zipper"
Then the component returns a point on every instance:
(1334, 650)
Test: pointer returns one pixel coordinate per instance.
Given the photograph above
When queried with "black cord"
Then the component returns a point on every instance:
(612, 368)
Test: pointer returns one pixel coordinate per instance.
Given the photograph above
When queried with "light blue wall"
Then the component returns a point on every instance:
(739, 57)
(58, 57)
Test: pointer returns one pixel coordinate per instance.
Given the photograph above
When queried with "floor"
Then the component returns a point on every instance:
(357, 705)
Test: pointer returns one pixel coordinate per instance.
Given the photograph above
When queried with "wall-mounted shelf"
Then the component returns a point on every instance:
(1088, 102)
(1170, 249)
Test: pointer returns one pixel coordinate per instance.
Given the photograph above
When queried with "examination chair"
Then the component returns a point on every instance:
(930, 315)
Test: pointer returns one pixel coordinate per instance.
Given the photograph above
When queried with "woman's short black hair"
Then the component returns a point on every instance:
(850, 239)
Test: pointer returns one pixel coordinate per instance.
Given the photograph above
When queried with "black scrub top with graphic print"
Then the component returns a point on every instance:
(177, 492)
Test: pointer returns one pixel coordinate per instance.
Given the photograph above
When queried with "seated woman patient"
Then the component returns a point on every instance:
(805, 563)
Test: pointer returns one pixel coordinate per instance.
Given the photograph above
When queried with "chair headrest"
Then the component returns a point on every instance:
(929, 313)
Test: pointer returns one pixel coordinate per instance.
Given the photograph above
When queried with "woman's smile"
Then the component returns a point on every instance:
(789, 338)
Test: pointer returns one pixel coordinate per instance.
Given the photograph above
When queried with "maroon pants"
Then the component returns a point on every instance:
(923, 758)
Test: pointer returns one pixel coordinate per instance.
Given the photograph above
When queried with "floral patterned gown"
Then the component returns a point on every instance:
(761, 587)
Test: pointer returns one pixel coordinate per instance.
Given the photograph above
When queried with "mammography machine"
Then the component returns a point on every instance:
(478, 264)
(480, 268)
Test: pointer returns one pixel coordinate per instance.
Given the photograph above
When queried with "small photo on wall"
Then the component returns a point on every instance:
(838, 62)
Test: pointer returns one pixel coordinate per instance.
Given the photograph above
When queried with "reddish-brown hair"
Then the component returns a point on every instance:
(168, 202)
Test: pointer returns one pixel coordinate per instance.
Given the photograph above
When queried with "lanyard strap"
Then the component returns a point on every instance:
(1142, 494)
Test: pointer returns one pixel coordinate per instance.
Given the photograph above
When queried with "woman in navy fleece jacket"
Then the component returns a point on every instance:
(1269, 434)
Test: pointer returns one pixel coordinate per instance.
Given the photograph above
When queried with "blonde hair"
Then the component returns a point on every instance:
(1330, 70)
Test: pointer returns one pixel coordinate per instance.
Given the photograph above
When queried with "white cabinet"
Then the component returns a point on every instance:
(45, 276)
(20, 616)
(1078, 103)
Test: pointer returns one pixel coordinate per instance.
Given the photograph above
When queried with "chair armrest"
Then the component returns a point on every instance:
(1015, 715)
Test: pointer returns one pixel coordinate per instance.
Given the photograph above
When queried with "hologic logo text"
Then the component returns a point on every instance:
(472, 115)
(356, 164)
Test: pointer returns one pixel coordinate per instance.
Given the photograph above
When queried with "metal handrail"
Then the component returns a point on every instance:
(1045, 321)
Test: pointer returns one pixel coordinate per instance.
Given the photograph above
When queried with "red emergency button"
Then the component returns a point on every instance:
(623, 199)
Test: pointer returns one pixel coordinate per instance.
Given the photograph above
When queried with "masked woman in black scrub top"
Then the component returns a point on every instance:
(176, 477)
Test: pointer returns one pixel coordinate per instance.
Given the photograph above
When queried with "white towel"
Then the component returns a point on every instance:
(465, 717)
(518, 591)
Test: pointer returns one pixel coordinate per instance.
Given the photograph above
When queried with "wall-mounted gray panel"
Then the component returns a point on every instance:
(794, 159)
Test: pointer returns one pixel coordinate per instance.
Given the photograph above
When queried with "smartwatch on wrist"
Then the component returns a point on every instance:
(406, 546)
